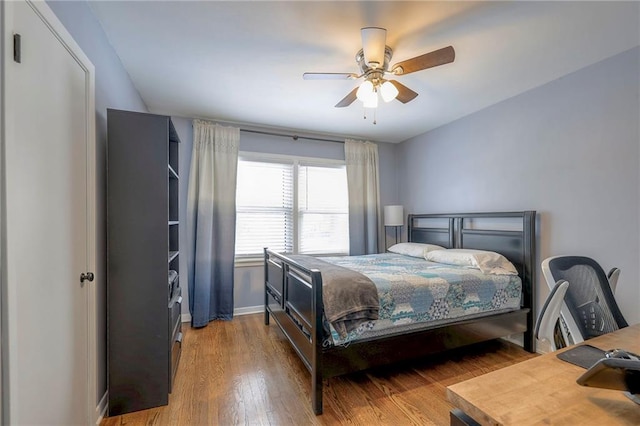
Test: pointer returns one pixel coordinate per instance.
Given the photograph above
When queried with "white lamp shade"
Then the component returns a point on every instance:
(365, 91)
(393, 216)
(388, 91)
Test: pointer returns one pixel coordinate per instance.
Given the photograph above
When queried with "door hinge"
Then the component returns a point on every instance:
(17, 51)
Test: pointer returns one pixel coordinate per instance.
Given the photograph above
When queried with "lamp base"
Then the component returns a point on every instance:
(385, 235)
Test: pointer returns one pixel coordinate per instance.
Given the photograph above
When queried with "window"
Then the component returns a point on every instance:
(264, 207)
(323, 210)
(291, 205)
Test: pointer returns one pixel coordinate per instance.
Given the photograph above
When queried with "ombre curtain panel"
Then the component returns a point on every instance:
(363, 182)
(211, 222)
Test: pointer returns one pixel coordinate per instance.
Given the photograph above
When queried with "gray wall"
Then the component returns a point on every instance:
(114, 89)
(249, 279)
(568, 149)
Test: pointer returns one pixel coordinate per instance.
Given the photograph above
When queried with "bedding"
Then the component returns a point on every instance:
(350, 298)
(414, 249)
(414, 291)
(489, 262)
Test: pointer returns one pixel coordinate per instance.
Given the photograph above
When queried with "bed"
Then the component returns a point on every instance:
(294, 300)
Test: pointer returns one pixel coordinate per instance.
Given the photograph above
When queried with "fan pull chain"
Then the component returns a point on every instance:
(375, 115)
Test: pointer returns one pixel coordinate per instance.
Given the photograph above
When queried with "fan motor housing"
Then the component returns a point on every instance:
(366, 69)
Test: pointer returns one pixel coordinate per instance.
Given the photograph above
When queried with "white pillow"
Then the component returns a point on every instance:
(488, 262)
(413, 249)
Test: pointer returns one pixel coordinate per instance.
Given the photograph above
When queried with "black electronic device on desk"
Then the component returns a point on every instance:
(618, 370)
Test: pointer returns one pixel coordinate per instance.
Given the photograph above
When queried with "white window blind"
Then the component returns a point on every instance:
(264, 207)
(323, 210)
(291, 207)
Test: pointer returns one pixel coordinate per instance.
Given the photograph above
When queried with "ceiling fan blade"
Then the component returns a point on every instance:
(329, 76)
(374, 40)
(404, 93)
(422, 62)
(347, 100)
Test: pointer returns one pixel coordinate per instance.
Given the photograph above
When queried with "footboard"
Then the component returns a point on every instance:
(293, 298)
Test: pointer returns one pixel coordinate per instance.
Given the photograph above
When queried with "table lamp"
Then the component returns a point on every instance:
(393, 216)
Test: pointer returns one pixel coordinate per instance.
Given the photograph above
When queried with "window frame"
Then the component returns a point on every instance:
(296, 161)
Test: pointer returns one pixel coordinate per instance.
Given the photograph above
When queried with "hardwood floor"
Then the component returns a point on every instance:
(243, 372)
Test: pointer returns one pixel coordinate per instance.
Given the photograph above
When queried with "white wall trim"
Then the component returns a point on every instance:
(542, 347)
(293, 159)
(249, 262)
(3, 401)
(101, 408)
(247, 310)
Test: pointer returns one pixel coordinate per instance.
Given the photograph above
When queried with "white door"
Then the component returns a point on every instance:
(48, 162)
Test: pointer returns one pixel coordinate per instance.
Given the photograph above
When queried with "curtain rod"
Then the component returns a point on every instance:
(294, 137)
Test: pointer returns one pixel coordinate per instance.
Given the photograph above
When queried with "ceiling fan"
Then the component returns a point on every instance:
(373, 60)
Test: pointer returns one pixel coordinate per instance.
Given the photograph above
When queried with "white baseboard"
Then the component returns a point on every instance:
(542, 347)
(516, 339)
(248, 310)
(101, 409)
(236, 312)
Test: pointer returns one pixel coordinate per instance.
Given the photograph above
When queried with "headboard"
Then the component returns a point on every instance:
(511, 234)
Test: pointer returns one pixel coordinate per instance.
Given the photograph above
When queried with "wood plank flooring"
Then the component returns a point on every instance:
(242, 372)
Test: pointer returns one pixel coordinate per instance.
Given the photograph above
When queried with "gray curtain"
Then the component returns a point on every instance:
(211, 221)
(363, 182)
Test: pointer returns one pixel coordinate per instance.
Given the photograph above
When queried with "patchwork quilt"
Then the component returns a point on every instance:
(413, 291)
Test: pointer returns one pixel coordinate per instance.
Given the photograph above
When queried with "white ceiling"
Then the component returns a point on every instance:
(242, 61)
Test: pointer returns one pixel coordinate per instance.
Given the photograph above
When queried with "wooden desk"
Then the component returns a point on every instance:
(543, 390)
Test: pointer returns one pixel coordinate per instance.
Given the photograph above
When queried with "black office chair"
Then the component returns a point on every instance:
(590, 308)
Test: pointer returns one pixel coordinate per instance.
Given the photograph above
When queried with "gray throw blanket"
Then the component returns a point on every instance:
(349, 297)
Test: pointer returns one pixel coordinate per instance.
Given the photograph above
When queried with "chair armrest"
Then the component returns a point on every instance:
(550, 313)
(613, 276)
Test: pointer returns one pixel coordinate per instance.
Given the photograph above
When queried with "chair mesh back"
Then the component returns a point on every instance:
(589, 297)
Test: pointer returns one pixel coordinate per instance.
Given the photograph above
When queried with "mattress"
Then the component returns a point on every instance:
(416, 294)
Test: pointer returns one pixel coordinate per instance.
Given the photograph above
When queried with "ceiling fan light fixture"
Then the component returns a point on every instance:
(373, 43)
(374, 62)
(365, 91)
(372, 101)
(388, 91)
